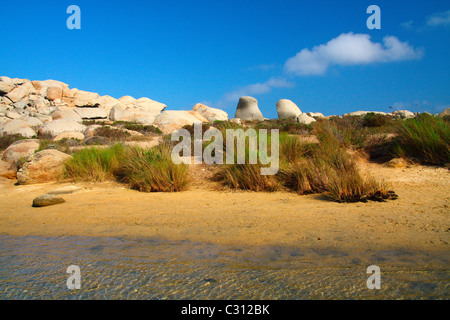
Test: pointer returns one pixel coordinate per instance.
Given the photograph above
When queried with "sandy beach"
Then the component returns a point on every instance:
(418, 219)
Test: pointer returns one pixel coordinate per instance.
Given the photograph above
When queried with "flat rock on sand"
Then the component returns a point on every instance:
(65, 190)
(47, 200)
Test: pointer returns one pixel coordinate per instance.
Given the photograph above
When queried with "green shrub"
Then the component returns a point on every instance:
(347, 132)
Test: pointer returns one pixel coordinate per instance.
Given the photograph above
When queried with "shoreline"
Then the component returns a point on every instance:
(418, 220)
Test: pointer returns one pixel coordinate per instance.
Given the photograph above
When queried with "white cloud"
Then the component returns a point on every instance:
(408, 25)
(255, 89)
(439, 19)
(349, 49)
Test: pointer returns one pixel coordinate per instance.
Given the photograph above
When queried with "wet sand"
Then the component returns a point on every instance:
(418, 220)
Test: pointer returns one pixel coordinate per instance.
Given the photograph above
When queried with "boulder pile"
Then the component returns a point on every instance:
(50, 108)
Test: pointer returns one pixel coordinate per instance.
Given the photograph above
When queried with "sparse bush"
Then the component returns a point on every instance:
(93, 122)
(375, 120)
(62, 145)
(284, 125)
(138, 127)
(348, 133)
(113, 133)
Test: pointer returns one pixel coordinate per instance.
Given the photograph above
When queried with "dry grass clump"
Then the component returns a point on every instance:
(246, 177)
(328, 168)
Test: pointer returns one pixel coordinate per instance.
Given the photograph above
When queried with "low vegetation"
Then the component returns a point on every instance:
(325, 165)
(152, 170)
(425, 138)
(95, 164)
(145, 170)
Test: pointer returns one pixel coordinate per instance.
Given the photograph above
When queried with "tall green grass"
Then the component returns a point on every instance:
(95, 164)
(153, 170)
(424, 137)
(145, 170)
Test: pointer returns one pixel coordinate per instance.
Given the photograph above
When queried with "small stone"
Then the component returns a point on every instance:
(47, 200)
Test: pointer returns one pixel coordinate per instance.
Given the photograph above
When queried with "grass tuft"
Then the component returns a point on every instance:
(153, 170)
(424, 137)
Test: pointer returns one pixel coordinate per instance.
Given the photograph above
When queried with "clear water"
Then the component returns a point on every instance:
(112, 268)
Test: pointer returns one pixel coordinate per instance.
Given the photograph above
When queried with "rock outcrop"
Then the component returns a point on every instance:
(169, 121)
(305, 119)
(41, 102)
(43, 166)
(20, 149)
(212, 114)
(287, 109)
(404, 114)
(445, 112)
(247, 110)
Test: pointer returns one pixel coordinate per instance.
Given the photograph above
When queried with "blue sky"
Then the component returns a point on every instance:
(319, 54)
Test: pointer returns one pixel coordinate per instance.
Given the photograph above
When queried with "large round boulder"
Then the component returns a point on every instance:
(20, 149)
(43, 166)
(287, 109)
(17, 126)
(169, 121)
(247, 109)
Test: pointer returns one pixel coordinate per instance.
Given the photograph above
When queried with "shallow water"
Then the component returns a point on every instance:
(112, 268)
